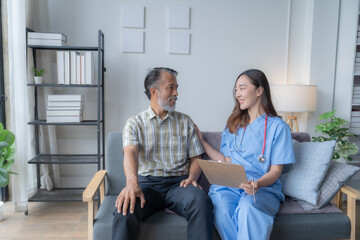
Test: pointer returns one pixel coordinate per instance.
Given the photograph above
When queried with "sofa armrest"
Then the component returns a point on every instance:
(352, 196)
(96, 183)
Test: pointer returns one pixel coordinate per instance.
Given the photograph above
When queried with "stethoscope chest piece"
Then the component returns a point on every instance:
(261, 158)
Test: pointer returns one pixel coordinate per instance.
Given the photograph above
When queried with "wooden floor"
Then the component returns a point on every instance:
(46, 220)
(61, 221)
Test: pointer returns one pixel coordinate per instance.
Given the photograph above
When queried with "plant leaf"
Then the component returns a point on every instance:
(4, 178)
(10, 152)
(336, 131)
(9, 137)
(327, 115)
(8, 164)
(347, 148)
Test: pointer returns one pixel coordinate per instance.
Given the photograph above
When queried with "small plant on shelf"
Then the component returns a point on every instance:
(38, 73)
(38, 78)
(335, 130)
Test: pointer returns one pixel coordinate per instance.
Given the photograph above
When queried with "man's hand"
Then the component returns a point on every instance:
(128, 196)
(188, 181)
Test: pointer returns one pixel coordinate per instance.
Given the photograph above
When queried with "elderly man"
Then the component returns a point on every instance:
(160, 151)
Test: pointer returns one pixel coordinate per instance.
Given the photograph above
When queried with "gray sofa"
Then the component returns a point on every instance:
(292, 222)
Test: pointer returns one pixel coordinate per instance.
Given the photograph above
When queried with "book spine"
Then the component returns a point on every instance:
(89, 68)
(65, 98)
(355, 124)
(60, 67)
(73, 66)
(46, 42)
(63, 108)
(355, 113)
(65, 104)
(356, 101)
(67, 67)
(82, 69)
(78, 69)
(64, 119)
(47, 36)
(63, 112)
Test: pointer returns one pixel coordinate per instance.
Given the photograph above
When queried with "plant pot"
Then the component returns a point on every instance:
(1, 210)
(38, 80)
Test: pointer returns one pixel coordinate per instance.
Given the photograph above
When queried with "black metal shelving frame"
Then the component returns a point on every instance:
(70, 194)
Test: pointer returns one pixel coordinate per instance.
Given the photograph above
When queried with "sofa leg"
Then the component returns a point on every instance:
(351, 212)
(90, 219)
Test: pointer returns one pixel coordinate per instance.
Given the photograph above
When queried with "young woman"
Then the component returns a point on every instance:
(258, 139)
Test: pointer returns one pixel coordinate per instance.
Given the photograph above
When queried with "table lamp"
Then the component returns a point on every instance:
(293, 98)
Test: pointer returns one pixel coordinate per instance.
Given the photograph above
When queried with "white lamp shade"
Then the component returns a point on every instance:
(294, 98)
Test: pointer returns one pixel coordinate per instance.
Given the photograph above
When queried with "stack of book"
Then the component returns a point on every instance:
(357, 63)
(76, 67)
(356, 95)
(358, 35)
(46, 39)
(65, 108)
(355, 122)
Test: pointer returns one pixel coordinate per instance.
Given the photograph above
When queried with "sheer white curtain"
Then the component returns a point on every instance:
(38, 19)
(21, 103)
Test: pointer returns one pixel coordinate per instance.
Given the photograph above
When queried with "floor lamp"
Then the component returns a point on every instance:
(294, 98)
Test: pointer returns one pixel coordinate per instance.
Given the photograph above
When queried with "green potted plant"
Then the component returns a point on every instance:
(335, 130)
(38, 78)
(7, 139)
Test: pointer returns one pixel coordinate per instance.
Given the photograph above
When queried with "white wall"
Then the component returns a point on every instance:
(225, 40)
(323, 55)
(227, 37)
(345, 57)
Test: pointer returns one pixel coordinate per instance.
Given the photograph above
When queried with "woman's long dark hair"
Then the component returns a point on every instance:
(240, 118)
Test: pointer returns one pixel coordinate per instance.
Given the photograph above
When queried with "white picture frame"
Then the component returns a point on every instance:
(179, 17)
(133, 41)
(133, 16)
(179, 42)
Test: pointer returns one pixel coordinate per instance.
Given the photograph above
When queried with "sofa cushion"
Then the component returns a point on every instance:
(311, 226)
(115, 180)
(104, 219)
(337, 175)
(158, 225)
(292, 206)
(303, 226)
(303, 178)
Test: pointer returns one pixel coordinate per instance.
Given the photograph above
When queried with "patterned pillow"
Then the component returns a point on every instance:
(303, 178)
(337, 175)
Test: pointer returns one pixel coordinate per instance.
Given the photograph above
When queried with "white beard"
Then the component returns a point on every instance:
(165, 103)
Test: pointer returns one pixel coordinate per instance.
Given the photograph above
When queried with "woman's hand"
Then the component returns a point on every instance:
(251, 187)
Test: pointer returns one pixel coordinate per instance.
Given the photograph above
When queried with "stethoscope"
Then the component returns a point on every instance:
(261, 158)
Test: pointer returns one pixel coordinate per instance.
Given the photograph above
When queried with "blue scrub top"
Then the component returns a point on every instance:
(278, 148)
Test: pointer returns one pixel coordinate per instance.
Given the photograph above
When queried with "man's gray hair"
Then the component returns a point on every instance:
(152, 77)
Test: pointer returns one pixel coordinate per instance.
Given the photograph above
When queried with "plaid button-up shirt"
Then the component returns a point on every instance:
(165, 146)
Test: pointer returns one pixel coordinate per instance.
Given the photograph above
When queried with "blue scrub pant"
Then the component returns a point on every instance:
(165, 192)
(237, 216)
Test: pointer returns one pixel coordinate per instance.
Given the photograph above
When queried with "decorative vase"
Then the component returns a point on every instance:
(38, 80)
(1, 210)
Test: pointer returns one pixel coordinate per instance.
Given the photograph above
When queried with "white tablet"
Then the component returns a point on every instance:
(223, 173)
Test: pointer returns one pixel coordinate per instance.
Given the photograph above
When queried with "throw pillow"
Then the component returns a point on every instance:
(303, 178)
(337, 175)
